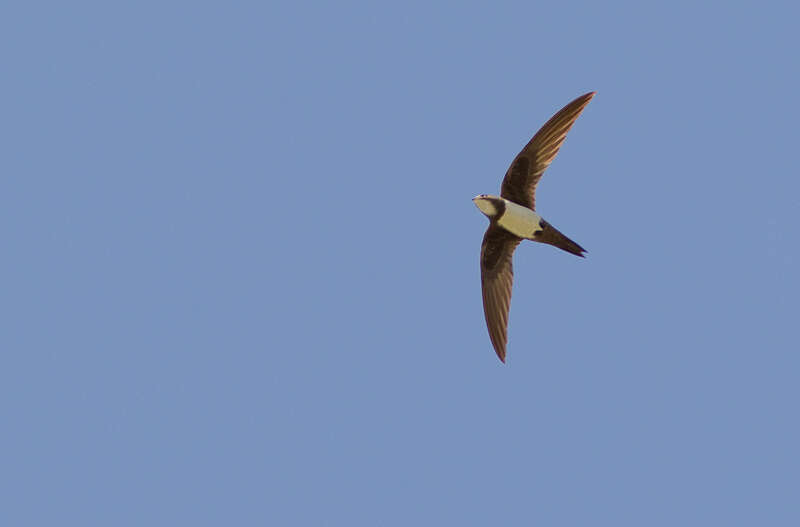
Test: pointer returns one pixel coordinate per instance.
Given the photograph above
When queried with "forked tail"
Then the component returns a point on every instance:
(553, 236)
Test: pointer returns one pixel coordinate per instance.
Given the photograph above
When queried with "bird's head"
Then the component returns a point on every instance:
(489, 205)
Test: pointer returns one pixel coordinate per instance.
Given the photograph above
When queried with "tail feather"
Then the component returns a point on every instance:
(551, 235)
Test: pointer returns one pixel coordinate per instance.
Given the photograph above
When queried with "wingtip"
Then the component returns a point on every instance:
(501, 354)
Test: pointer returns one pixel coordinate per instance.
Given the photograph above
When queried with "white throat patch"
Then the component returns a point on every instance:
(486, 206)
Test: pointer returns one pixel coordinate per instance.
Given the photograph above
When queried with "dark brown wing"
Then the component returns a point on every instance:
(497, 276)
(519, 185)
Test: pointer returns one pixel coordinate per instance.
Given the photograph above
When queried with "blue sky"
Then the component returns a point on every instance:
(240, 278)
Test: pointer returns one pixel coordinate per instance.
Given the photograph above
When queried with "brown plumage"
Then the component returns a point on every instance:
(497, 276)
(519, 186)
(523, 175)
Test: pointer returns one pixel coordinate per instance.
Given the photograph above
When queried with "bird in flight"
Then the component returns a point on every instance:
(512, 218)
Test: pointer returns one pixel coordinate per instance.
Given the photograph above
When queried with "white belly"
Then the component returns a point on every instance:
(519, 220)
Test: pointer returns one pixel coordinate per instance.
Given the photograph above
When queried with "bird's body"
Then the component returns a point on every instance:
(512, 218)
(516, 219)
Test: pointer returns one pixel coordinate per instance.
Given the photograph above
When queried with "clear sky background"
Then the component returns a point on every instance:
(240, 279)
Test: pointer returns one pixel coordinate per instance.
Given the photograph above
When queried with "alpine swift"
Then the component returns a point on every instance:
(512, 218)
